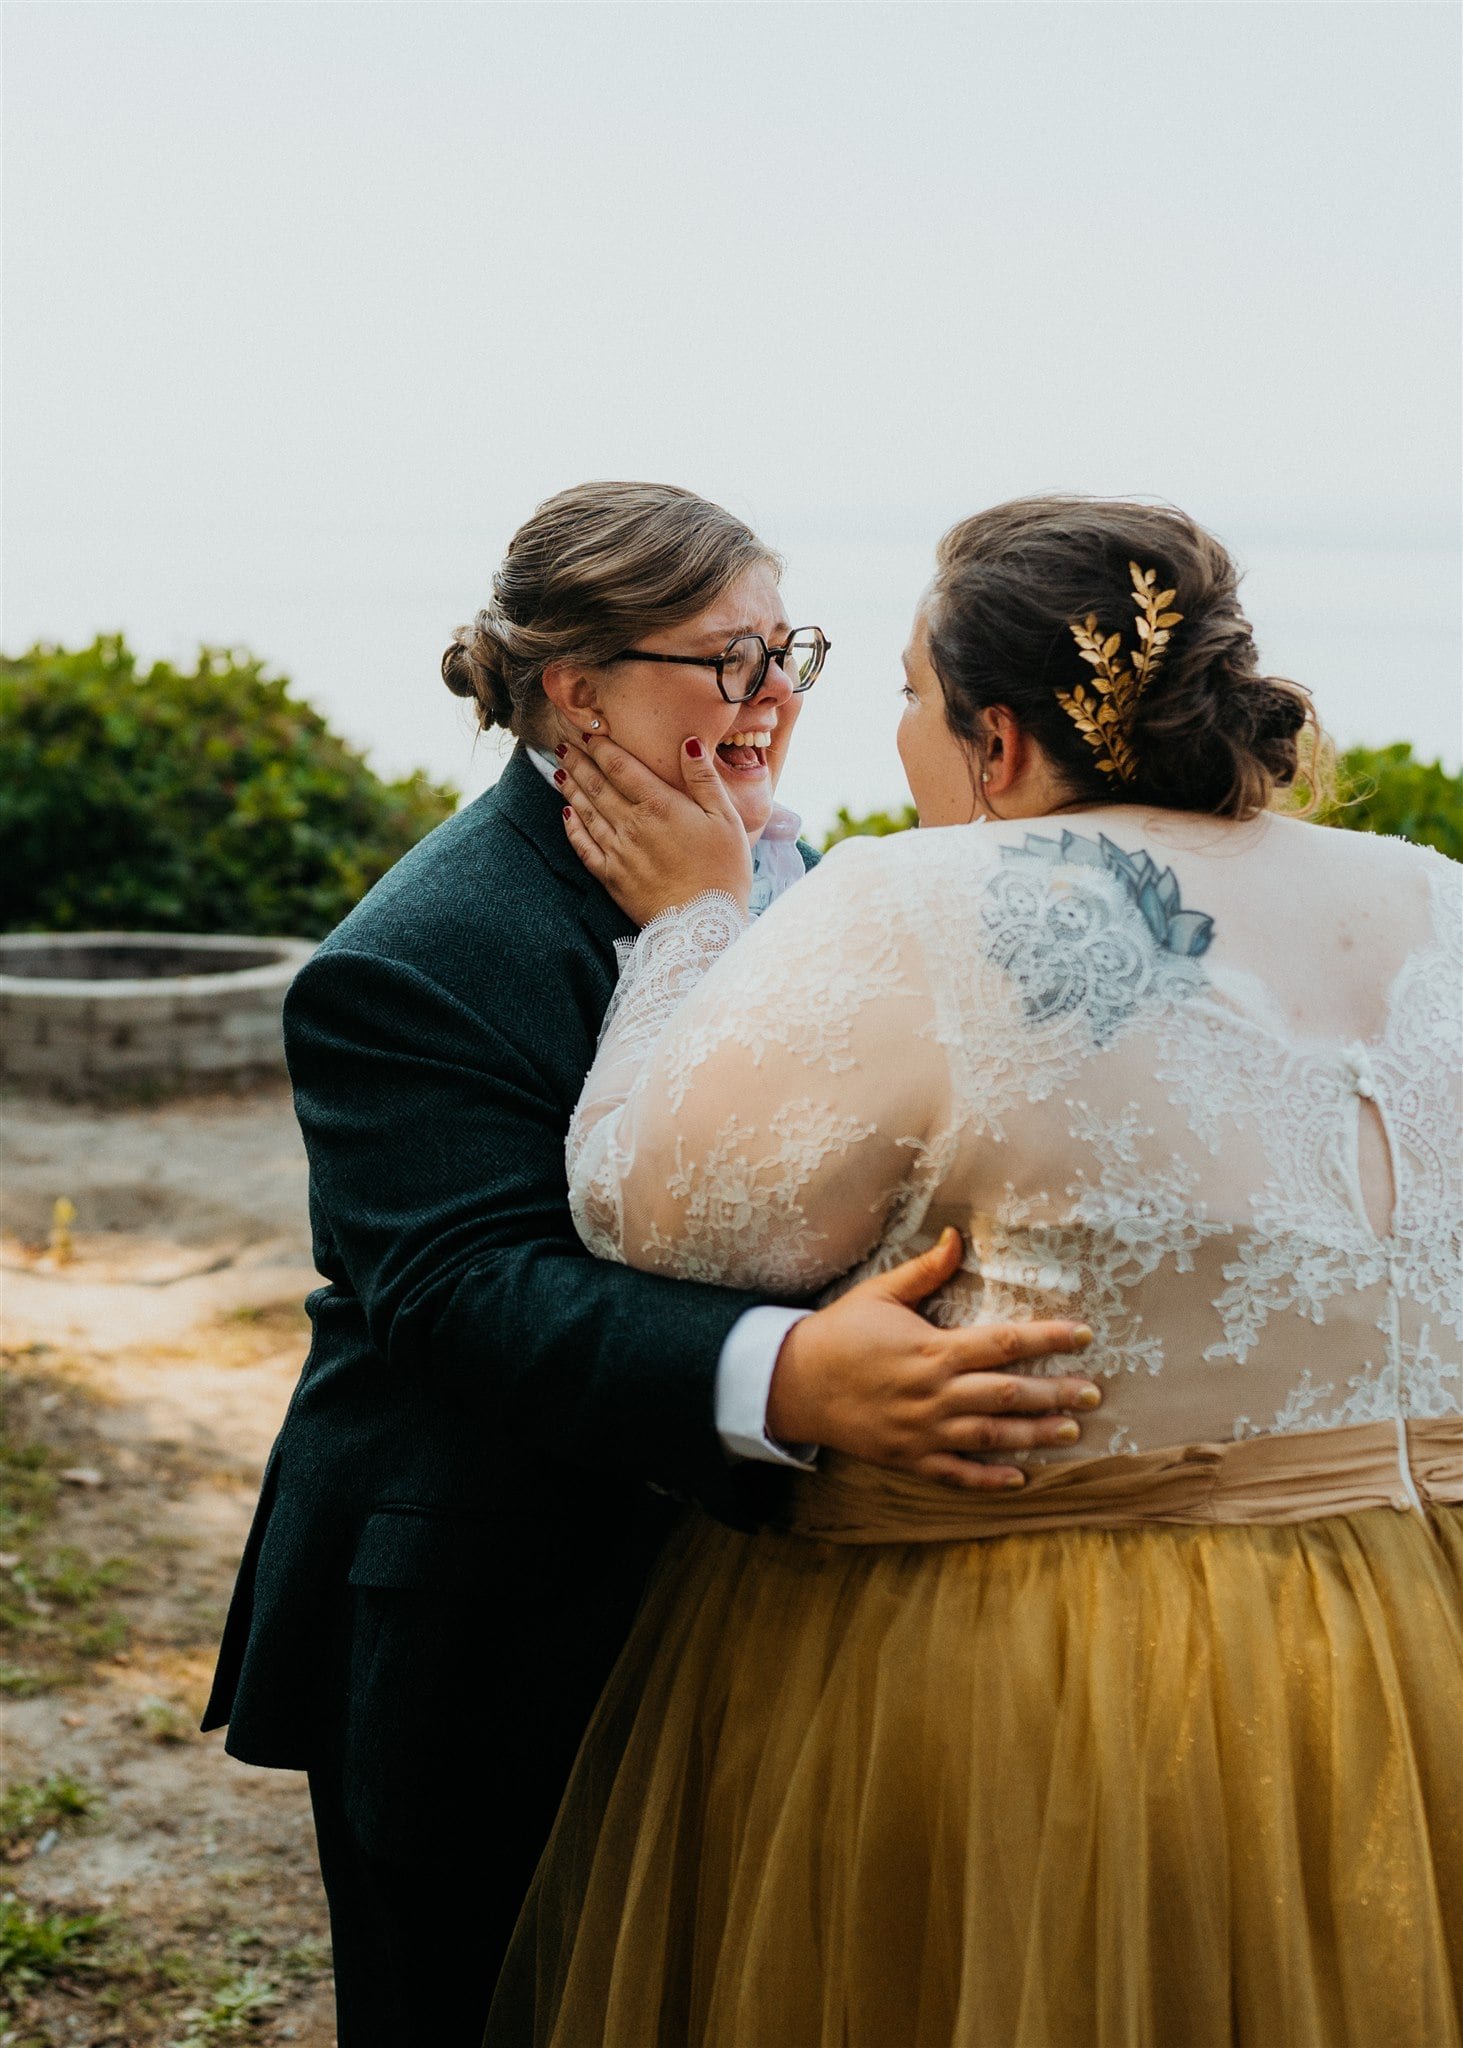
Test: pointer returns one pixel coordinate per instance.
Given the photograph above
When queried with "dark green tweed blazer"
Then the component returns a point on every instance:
(482, 1402)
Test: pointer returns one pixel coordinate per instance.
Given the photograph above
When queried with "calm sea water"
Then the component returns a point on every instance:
(359, 621)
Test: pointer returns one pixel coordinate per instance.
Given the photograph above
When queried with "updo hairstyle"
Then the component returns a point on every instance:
(1210, 733)
(593, 569)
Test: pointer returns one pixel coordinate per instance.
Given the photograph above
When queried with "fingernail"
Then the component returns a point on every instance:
(1068, 1432)
(568, 813)
(560, 777)
(1081, 1337)
(1090, 1397)
(585, 738)
(562, 752)
(1017, 1479)
(695, 749)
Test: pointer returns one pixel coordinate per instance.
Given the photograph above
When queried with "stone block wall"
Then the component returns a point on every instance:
(98, 1013)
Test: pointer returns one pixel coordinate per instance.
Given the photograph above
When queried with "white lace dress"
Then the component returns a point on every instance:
(1166, 1749)
(1199, 1087)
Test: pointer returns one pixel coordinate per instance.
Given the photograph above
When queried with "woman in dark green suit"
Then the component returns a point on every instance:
(492, 1430)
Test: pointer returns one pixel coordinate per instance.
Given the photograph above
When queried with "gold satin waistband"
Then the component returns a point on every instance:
(1294, 1478)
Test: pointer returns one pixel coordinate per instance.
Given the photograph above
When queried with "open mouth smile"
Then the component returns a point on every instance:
(745, 753)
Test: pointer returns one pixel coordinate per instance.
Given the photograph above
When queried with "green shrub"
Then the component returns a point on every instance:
(209, 800)
(873, 825)
(1382, 789)
(1378, 789)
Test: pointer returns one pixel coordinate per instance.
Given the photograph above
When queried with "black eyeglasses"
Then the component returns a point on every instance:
(741, 668)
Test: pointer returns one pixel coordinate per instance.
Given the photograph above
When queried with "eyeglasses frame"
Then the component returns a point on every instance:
(719, 661)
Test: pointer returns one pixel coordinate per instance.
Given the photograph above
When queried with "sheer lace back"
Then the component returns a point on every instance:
(1196, 1083)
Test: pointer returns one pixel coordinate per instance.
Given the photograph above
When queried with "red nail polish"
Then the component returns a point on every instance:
(568, 813)
(561, 752)
(695, 749)
(560, 777)
(586, 737)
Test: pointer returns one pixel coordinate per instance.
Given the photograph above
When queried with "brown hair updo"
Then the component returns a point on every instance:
(1210, 733)
(592, 570)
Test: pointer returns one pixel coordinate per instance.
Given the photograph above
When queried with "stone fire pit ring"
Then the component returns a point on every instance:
(98, 1013)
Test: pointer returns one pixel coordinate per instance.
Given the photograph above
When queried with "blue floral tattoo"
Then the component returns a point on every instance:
(1154, 890)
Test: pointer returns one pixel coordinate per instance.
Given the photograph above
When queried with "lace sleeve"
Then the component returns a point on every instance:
(658, 970)
(758, 1124)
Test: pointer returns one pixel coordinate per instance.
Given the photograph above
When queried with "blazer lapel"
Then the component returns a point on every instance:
(534, 809)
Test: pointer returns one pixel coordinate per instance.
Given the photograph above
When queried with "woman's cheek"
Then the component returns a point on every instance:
(653, 725)
(664, 744)
(924, 770)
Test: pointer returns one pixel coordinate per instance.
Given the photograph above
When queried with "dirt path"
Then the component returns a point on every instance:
(146, 1375)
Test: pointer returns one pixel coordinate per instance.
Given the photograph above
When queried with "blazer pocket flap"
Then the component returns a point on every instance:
(398, 1548)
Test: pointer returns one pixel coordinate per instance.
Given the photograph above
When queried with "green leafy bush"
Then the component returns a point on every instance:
(873, 825)
(1378, 789)
(1382, 789)
(170, 800)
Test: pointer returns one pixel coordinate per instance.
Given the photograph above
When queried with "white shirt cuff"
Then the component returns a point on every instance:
(744, 1381)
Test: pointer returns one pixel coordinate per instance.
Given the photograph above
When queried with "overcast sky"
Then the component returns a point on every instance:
(308, 305)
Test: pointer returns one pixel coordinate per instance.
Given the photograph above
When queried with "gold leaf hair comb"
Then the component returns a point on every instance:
(1104, 714)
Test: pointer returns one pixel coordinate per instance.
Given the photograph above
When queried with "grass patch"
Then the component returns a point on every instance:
(305, 1959)
(34, 1944)
(138, 1990)
(26, 1682)
(230, 2012)
(28, 1487)
(27, 1811)
(58, 1614)
(59, 1608)
(165, 1721)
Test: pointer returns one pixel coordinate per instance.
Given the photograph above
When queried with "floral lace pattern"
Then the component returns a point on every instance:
(743, 1190)
(1089, 1059)
(1416, 1383)
(669, 958)
(815, 1034)
(1120, 1221)
(1311, 1240)
(1066, 962)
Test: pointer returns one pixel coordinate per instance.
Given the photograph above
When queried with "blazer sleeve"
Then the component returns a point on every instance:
(436, 1148)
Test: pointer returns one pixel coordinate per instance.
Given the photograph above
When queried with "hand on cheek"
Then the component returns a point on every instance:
(652, 847)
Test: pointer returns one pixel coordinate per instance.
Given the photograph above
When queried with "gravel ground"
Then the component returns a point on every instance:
(146, 1374)
(213, 1171)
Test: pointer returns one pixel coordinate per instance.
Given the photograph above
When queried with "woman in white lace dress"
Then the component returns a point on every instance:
(1162, 1748)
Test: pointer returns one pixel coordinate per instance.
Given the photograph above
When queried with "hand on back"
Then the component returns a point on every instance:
(652, 846)
(870, 1377)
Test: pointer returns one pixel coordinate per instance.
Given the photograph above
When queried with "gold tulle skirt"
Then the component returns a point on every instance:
(1138, 1787)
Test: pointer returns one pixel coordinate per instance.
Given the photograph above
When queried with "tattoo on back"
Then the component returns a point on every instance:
(1154, 890)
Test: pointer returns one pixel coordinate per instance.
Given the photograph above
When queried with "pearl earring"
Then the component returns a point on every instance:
(594, 725)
